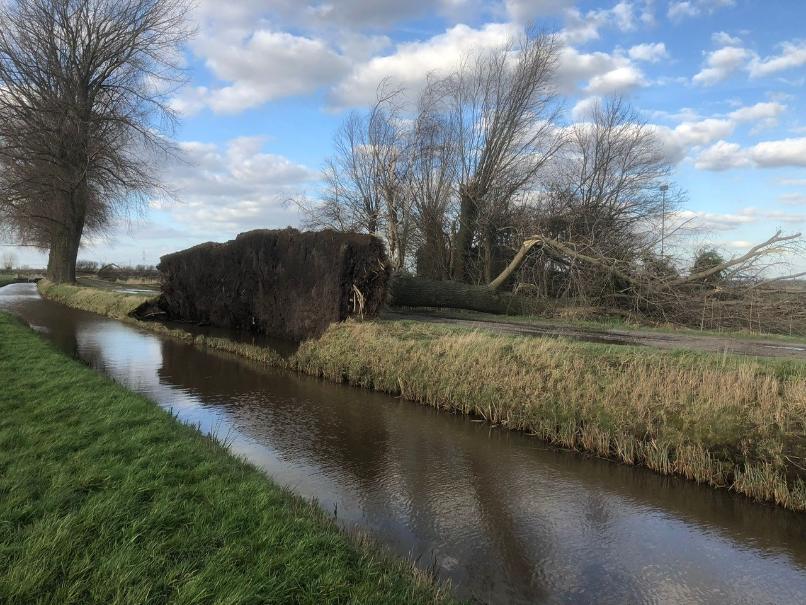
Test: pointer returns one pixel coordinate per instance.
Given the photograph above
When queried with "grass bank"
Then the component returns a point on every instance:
(104, 302)
(10, 278)
(727, 421)
(105, 498)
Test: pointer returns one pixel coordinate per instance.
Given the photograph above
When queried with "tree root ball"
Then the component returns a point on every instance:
(282, 283)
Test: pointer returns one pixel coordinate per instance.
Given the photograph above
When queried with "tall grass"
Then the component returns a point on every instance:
(725, 421)
(105, 498)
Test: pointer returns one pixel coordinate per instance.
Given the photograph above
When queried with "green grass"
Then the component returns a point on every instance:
(9, 278)
(105, 498)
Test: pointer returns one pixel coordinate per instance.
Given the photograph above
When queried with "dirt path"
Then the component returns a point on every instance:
(119, 287)
(660, 340)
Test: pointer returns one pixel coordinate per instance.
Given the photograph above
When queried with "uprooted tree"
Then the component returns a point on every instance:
(282, 283)
(84, 86)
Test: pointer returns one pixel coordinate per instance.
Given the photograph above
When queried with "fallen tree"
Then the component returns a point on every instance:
(730, 293)
(283, 283)
(409, 291)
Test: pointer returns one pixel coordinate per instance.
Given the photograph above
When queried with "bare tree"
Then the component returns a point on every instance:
(366, 177)
(83, 114)
(504, 109)
(604, 197)
(432, 176)
(9, 260)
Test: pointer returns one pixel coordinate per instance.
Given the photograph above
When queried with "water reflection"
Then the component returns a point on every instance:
(506, 518)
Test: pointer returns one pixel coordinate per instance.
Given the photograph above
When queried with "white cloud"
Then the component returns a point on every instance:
(679, 10)
(793, 199)
(376, 12)
(648, 12)
(785, 217)
(617, 80)
(725, 39)
(739, 244)
(268, 65)
(583, 108)
(526, 11)
(603, 72)
(651, 53)
(793, 182)
(793, 54)
(722, 156)
(715, 221)
(624, 16)
(693, 133)
(721, 64)
(317, 14)
(704, 131)
(760, 115)
(232, 188)
(758, 112)
(411, 62)
(785, 152)
(677, 142)
(732, 57)
(583, 27)
(767, 154)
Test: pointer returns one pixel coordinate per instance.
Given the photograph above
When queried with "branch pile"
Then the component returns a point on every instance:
(730, 294)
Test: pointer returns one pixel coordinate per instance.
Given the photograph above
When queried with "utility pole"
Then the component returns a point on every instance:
(663, 189)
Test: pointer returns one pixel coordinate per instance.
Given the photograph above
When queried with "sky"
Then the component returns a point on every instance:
(269, 81)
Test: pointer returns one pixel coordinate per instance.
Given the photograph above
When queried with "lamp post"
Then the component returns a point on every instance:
(663, 189)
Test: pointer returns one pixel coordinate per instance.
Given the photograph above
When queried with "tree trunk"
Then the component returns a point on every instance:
(489, 254)
(407, 291)
(62, 256)
(468, 214)
(514, 264)
(66, 240)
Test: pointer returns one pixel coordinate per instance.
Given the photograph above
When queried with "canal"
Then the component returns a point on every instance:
(504, 517)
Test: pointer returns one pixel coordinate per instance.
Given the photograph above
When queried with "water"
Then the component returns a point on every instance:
(504, 517)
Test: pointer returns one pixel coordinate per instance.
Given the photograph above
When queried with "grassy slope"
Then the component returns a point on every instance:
(105, 498)
(103, 302)
(723, 420)
(9, 278)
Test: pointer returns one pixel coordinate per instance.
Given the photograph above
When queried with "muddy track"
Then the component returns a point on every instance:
(660, 340)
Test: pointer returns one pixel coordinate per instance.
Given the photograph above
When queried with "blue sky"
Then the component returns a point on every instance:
(721, 81)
